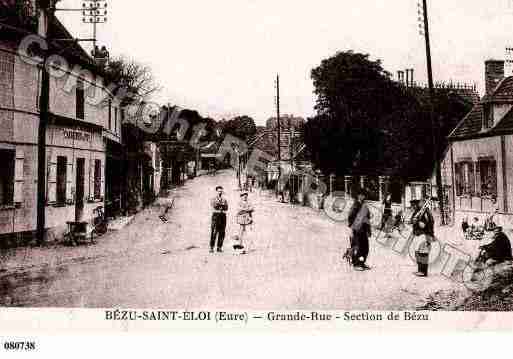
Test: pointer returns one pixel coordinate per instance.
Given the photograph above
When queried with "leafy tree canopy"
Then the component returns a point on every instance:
(130, 74)
(242, 127)
(368, 124)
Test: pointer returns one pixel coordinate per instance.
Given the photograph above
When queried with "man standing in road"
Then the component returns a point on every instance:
(359, 222)
(423, 227)
(220, 206)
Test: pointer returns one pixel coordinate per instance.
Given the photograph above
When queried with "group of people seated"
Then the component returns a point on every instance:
(474, 231)
(499, 248)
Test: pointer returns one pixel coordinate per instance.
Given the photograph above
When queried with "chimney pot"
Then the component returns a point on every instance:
(494, 73)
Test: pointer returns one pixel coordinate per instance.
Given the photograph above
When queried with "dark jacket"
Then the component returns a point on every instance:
(359, 218)
(427, 219)
(499, 249)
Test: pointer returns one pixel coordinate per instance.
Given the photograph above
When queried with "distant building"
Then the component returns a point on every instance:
(286, 121)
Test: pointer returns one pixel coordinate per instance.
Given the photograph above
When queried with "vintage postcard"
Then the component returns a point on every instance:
(327, 165)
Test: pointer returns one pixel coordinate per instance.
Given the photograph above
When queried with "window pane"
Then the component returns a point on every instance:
(97, 178)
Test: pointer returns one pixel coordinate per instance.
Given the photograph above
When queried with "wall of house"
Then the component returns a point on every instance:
(508, 142)
(19, 120)
(63, 101)
(473, 150)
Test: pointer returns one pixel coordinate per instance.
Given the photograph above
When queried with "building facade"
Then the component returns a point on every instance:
(76, 139)
(480, 157)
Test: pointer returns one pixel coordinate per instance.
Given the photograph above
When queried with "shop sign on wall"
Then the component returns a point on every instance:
(77, 135)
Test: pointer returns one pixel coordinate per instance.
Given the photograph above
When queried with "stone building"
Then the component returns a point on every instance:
(78, 137)
(479, 162)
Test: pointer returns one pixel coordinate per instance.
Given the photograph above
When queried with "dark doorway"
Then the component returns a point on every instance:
(79, 188)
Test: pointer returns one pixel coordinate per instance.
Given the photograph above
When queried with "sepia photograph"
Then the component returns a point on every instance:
(268, 162)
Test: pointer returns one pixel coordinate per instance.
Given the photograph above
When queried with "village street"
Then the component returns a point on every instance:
(295, 263)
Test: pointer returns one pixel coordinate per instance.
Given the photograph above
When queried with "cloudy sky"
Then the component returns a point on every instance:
(221, 57)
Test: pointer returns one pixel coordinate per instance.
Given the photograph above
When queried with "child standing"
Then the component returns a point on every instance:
(244, 219)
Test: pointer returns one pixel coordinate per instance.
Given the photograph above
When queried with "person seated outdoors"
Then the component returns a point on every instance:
(476, 227)
(475, 231)
(498, 251)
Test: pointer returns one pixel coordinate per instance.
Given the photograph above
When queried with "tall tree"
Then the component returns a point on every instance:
(242, 127)
(369, 124)
(132, 75)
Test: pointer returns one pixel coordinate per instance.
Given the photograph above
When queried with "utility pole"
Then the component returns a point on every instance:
(291, 157)
(279, 125)
(94, 12)
(434, 121)
(45, 21)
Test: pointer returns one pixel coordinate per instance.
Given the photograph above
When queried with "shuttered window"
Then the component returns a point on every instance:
(80, 99)
(7, 158)
(97, 179)
(6, 79)
(488, 177)
(19, 176)
(465, 178)
(110, 114)
(62, 180)
(115, 119)
(52, 179)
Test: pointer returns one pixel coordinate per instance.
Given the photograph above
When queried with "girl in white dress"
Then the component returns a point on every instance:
(244, 219)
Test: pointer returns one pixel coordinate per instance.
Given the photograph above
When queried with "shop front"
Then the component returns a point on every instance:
(76, 173)
(115, 180)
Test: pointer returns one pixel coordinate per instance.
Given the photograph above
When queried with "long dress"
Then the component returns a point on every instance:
(359, 222)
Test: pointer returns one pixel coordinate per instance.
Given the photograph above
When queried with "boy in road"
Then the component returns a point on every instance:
(219, 206)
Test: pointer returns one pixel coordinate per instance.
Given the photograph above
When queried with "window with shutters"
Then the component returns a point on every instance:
(80, 99)
(115, 119)
(465, 178)
(62, 166)
(7, 158)
(488, 177)
(6, 79)
(97, 179)
(122, 119)
(110, 114)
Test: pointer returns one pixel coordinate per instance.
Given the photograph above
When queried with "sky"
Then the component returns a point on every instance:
(221, 57)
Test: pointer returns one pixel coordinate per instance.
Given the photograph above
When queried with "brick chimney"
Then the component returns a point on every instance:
(494, 73)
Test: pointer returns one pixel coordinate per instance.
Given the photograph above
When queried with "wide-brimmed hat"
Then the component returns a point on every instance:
(219, 187)
(244, 194)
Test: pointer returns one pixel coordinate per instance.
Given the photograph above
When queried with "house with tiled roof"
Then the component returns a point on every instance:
(83, 130)
(480, 156)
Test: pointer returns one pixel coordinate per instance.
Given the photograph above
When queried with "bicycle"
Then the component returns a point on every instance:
(100, 223)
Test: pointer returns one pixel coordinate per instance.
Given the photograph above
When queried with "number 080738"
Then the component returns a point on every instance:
(19, 346)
